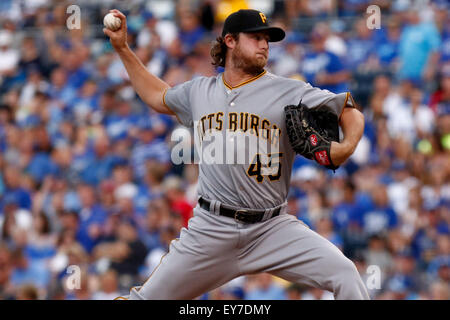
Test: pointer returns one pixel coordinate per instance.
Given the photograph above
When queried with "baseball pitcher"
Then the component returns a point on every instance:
(240, 224)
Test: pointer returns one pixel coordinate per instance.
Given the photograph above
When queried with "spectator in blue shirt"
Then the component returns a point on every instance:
(379, 217)
(398, 287)
(6, 117)
(147, 148)
(14, 192)
(91, 218)
(62, 157)
(419, 48)
(60, 91)
(100, 74)
(423, 245)
(150, 230)
(121, 121)
(352, 7)
(324, 227)
(265, 289)
(403, 283)
(73, 63)
(442, 20)
(387, 45)
(107, 104)
(360, 47)
(99, 167)
(445, 48)
(26, 272)
(191, 31)
(322, 68)
(41, 242)
(439, 266)
(296, 206)
(85, 102)
(345, 213)
(40, 166)
(162, 124)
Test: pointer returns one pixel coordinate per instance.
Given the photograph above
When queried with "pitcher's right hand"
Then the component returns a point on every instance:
(118, 38)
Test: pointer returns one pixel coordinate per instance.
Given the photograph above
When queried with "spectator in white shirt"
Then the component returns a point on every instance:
(9, 57)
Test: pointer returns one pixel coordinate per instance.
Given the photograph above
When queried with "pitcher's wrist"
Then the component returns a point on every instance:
(122, 48)
(339, 152)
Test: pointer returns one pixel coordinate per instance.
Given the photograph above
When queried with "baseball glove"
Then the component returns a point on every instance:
(311, 131)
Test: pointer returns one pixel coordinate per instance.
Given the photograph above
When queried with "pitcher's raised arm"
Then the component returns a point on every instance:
(149, 87)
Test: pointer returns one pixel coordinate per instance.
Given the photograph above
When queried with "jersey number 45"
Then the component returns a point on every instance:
(265, 165)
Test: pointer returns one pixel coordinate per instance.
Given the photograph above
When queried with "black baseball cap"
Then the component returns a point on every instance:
(248, 20)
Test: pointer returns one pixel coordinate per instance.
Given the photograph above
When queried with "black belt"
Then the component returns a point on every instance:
(242, 215)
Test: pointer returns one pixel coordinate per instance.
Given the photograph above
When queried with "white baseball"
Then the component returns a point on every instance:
(112, 22)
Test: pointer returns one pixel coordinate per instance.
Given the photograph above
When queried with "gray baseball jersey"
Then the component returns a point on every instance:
(210, 104)
(215, 249)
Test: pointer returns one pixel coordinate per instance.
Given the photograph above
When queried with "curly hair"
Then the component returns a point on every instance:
(219, 50)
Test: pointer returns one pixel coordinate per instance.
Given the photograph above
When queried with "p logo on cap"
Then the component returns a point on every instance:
(263, 17)
(248, 20)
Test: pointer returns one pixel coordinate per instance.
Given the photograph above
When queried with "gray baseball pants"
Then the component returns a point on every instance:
(215, 249)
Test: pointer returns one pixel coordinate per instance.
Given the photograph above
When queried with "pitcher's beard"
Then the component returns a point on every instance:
(247, 64)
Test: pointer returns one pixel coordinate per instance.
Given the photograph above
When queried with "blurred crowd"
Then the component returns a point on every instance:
(86, 177)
